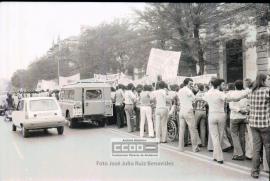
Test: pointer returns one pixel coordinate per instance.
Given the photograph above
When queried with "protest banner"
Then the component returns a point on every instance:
(164, 63)
(47, 84)
(69, 80)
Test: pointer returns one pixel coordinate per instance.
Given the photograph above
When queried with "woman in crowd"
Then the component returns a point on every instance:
(146, 111)
(259, 120)
(161, 112)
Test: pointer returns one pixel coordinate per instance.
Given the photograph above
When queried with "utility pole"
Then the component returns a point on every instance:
(58, 62)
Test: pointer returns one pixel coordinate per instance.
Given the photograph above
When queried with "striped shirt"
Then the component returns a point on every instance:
(259, 107)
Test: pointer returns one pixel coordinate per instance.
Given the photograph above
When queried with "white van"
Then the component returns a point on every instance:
(86, 102)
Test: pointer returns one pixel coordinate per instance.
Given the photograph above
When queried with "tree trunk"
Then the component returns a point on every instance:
(199, 49)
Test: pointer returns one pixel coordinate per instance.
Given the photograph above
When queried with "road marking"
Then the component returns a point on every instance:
(18, 150)
(231, 166)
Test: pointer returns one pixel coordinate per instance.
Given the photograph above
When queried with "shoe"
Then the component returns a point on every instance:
(214, 159)
(163, 141)
(227, 149)
(197, 149)
(247, 158)
(220, 162)
(240, 158)
(255, 175)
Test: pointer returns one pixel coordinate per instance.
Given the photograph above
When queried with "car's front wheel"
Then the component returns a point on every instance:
(25, 132)
(60, 130)
(13, 127)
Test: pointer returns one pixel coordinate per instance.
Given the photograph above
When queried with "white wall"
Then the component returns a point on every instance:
(251, 66)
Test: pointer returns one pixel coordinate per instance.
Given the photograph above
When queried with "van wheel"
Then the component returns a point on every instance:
(13, 127)
(101, 123)
(60, 130)
(71, 123)
(25, 132)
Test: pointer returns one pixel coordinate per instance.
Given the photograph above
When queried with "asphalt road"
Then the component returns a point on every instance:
(85, 154)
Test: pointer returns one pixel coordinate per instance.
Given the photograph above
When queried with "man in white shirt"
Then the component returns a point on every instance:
(146, 111)
(161, 113)
(130, 99)
(186, 115)
(217, 117)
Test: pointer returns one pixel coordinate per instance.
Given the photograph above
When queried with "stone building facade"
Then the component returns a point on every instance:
(238, 43)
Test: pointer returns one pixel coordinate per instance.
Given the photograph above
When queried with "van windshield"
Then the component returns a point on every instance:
(43, 105)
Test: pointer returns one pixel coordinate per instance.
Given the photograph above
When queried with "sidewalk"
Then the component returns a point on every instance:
(203, 154)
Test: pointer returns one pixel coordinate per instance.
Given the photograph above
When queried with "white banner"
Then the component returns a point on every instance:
(69, 80)
(164, 63)
(104, 78)
(47, 84)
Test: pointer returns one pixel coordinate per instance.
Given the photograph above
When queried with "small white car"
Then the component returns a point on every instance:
(38, 113)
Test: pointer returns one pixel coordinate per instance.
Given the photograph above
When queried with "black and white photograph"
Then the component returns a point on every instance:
(134, 91)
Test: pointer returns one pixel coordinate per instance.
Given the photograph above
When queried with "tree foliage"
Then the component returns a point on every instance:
(122, 45)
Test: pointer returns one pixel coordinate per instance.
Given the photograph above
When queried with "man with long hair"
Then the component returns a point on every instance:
(259, 120)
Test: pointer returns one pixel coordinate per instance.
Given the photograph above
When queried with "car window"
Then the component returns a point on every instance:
(43, 105)
(67, 95)
(93, 94)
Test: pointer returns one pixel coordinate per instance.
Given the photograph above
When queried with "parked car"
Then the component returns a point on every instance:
(86, 102)
(38, 113)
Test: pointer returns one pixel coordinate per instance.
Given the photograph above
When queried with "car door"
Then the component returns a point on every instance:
(93, 101)
(18, 115)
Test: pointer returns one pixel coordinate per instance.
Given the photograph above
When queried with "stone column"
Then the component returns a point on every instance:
(263, 43)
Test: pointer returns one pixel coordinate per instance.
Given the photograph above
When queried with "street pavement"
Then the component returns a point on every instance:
(84, 153)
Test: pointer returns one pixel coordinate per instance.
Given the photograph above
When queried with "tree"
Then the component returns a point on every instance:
(111, 48)
(179, 25)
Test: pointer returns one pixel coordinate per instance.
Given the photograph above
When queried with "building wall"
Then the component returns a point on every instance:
(263, 48)
(250, 55)
(251, 66)
(216, 52)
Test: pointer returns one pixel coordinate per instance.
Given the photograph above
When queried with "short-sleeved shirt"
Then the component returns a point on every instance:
(145, 98)
(160, 97)
(186, 98)
(235, 107)
(199, 102)
(215, 99)
(130, 97)
(119, 97)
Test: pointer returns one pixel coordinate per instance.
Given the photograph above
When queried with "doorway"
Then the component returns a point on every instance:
(234, 60)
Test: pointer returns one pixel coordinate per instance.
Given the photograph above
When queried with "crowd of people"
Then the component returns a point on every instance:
(218, 116)
(12, 98)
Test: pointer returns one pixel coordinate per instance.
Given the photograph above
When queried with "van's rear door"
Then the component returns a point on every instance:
(93, 101)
